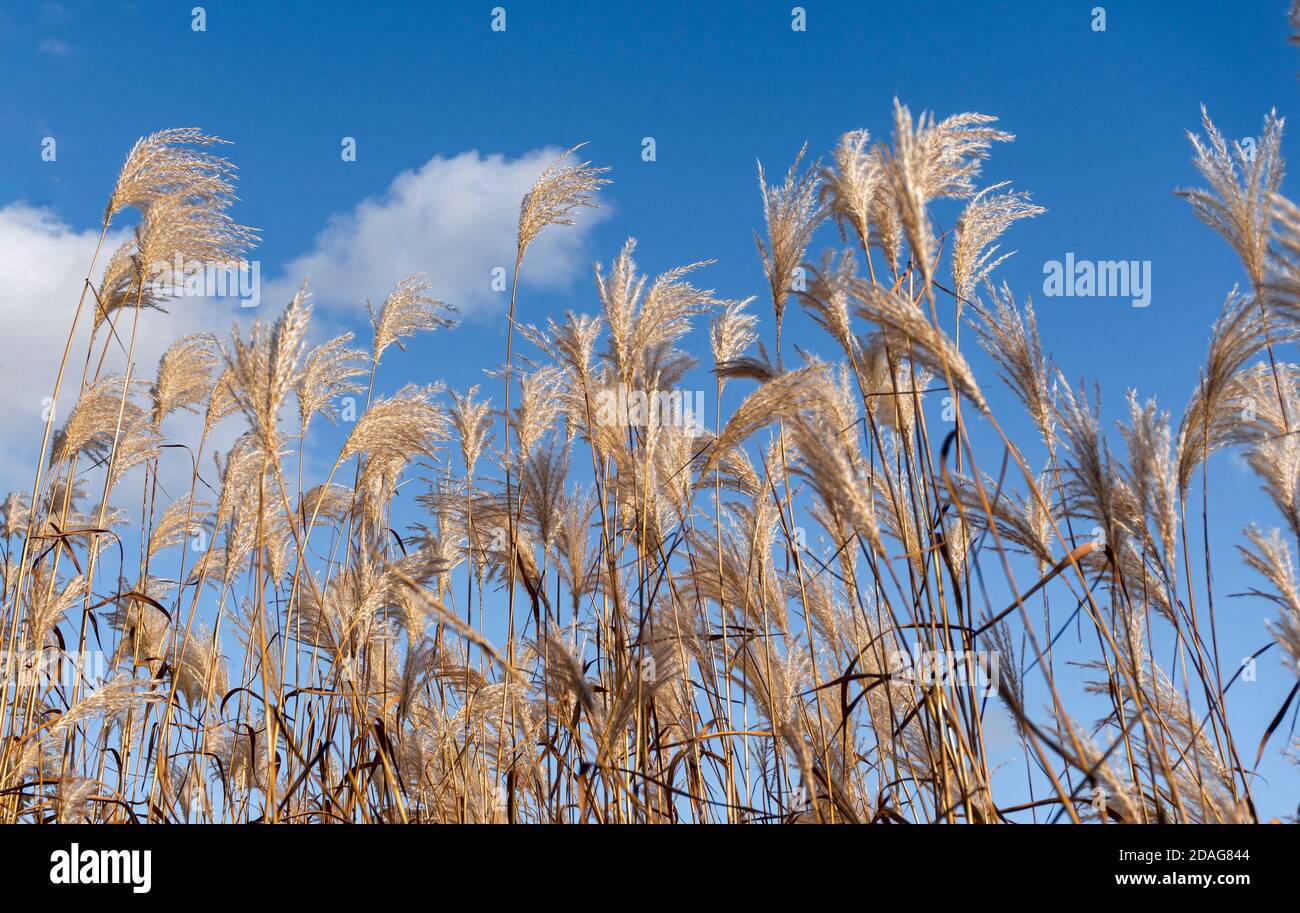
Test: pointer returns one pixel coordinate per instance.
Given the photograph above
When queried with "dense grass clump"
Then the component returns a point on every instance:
(610, 612)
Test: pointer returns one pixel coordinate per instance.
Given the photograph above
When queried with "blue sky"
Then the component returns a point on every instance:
(1100, 119)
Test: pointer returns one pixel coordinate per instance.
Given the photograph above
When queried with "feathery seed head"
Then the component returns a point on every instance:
(559, 192)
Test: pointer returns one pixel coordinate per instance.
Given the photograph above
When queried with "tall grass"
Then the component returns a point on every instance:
(610, 621)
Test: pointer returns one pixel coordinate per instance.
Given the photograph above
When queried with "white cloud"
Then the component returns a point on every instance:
(42, 264)
(54, 47)
(452, 219)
